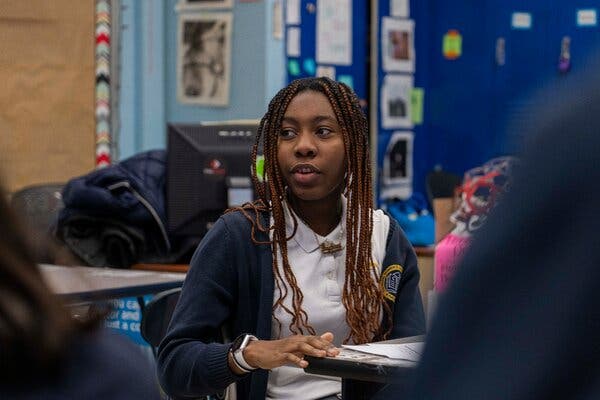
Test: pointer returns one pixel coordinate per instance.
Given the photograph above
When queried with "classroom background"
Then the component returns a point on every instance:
(447, 86)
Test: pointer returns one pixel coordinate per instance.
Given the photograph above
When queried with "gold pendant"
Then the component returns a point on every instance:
(328, 247)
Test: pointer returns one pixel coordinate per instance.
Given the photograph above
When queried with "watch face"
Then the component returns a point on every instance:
(237, 343)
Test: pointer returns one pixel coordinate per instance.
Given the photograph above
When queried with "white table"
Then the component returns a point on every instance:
(79, 285)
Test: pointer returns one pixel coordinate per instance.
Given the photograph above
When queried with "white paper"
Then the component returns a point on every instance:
(398, 45)
(587, 17)
(399, 8)
(395, 102)
(293, 42)
(398, 351)
(292, 12)
(334, 32)
(521, 20)
(394, 191)
(277, 20)
(328, 72)
(357, 356)
(398, 163)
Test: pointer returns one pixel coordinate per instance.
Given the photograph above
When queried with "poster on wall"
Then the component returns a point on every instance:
(334, 32)
(398, 47)
(400, 8)
(397, 166)
(203, 4)
(396, 102)
(204, 58)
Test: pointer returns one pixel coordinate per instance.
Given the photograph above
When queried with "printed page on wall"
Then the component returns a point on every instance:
(334, 32)
(204, 58)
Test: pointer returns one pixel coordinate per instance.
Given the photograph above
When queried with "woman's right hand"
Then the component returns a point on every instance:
(269, 354)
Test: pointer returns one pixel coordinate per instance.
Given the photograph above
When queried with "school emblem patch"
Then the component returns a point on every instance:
(390, 281)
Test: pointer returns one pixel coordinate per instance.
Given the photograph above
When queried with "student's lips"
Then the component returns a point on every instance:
(305, 174)
(305, 178)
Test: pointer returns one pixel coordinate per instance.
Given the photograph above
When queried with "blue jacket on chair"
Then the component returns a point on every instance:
(116, 215)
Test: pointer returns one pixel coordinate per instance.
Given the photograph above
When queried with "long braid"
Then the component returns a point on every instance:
(362, 294)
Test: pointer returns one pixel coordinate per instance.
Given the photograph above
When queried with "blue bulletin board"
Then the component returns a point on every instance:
(479, 67)
(474, 68)
(301, 20)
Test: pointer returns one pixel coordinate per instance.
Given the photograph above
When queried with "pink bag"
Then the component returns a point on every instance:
(448, 253)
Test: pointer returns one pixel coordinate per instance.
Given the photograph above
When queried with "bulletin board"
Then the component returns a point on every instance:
(47, 123)
(328, 38)
(475, 73)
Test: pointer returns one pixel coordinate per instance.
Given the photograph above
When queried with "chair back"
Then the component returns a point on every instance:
(156, 316)
(38, 207)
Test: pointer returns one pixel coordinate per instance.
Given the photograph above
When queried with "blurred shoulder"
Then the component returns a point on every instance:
(126, 371)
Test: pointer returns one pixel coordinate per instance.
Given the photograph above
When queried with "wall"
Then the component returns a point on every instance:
(47, 99)
(149, 58)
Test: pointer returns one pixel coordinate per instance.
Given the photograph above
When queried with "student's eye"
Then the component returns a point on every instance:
(286, 133)
(324, 132)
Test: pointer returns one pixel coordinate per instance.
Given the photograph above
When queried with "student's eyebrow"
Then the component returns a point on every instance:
(317, 119)
(324, 118)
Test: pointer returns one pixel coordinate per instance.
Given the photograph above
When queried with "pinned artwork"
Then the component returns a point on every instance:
(417, 97)
(398, 49)
(452, 45)
(397, 166)
(396, 101)
(293, 42)
(400, 8)
(309, 66)
(334, 32)
(587, 17)
(293, 68)
(346, 79)
(204, 58)
(292, 12)
(328, 72)
(521, 21)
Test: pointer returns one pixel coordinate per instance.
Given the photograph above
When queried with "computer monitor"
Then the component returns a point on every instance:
(208, 170)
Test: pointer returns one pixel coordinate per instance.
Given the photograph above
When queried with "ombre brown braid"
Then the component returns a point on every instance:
(362, 295)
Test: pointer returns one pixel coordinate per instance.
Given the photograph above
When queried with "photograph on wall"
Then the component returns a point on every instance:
(398, 47)
(396, 101)
(203, 4)
(333, 43)
(204, 58)
(397, 166)
(400, 8)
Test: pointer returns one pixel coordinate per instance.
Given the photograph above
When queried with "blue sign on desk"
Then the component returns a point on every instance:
(126, 318)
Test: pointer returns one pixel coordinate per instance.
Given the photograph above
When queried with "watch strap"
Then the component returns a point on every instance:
(238, 353)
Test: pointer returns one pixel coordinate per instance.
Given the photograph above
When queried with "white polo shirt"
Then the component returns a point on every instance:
(321, 279)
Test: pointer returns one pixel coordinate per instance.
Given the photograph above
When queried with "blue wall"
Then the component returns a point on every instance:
(148, 95)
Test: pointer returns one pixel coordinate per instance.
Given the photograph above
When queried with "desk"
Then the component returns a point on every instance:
(362, 379)
(80, 285)
(183, 268)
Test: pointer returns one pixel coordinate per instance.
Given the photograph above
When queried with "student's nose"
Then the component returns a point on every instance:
(305, 145)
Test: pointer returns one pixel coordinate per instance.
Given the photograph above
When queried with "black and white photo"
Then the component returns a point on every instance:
(204, 58)
(396, 102)
(204, 4)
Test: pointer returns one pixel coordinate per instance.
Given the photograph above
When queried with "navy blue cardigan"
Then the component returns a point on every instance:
(230, 284)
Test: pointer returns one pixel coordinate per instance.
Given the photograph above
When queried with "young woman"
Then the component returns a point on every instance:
(307, 267)
(44, 352)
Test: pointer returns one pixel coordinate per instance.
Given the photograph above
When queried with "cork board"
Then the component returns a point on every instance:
(47, 131)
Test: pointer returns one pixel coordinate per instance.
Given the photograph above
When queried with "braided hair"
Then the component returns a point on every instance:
(362, 295)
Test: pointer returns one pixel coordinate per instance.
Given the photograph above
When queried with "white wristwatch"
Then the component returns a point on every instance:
(237, 351)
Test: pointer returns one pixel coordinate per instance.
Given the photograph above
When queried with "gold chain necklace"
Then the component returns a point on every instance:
(327, 246)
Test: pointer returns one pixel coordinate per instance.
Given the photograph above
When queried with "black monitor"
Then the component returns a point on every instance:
(208, 170)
